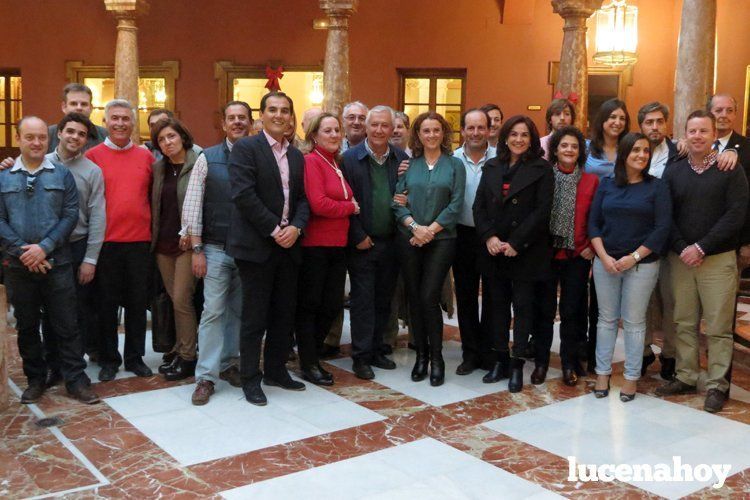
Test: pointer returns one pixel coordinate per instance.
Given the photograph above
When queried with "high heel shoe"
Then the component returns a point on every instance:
(602, 393)
(625, 398)
(419, 372)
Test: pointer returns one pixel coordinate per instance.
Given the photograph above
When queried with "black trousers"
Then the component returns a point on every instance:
(572, 276)
(320, 298)
(55, 293)
(587, 332)
(521, 294)
(269, 300)
(475, 338)
(424, 269)
(86, 313)
(372, 274)
(123, 277)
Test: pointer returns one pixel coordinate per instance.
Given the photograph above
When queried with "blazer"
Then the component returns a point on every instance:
(742, 145)
(355, 166)
(521, 218)
(258, 199)
(156, 189)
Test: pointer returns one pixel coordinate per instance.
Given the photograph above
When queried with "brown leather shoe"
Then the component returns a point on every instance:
(232, 375)
(202, 393)
(539, 375)
(33, 392)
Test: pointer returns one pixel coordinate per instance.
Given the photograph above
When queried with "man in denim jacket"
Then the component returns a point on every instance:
(38, 211)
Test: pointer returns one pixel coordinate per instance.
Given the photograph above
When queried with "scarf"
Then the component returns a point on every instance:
(562, 220)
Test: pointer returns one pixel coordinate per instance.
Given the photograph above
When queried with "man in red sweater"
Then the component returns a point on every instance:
(125, 260)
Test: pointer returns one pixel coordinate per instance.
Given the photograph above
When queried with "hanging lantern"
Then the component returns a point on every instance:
(616, 34)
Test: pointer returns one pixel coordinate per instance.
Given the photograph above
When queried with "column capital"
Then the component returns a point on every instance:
(129, 9)
(576, 8)
(339, 8)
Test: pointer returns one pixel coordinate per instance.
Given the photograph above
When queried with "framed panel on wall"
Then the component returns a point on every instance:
(156, 88)
(11, 110)
(746, 115)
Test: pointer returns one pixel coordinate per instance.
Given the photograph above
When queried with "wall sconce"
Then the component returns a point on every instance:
(616, 34)
(320, 23)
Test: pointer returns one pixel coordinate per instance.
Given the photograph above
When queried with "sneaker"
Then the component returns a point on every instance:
(674, 388)
(715, 400)
(84, 394)
(231, 375)
(203, 391)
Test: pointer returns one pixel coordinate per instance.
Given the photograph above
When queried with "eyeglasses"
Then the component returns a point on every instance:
(30, 181)
(355, 118)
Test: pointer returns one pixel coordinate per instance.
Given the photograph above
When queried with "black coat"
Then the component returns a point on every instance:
(521, 218)
(742, 145)
(258, 199)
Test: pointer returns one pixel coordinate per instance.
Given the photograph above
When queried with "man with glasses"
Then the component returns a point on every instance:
(38, 212)
(354, 115)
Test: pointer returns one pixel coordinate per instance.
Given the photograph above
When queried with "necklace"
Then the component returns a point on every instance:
(338, 172)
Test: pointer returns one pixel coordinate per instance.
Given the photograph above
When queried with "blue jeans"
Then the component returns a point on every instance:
(623, 295)
(219, 330)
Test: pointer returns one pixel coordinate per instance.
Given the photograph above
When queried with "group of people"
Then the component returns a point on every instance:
(273, 223)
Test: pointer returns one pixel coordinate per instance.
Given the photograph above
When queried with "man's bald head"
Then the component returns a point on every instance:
(309, 116)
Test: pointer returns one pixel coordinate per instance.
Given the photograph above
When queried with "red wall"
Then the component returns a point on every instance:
(506, 63)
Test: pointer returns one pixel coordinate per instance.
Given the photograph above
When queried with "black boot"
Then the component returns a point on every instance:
(437, 369)
(420, 367)
(500, 369)
(515, 384)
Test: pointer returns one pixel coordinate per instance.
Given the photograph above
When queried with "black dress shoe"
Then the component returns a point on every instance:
(647, 360)
(419, 372)
(515, 382)
(107, 373)
(83, 393)
(437, 370)
(181, 370)
(168, 365)
(317, 375)
(539, 375)
(667, 371)
(498, 372)
(33, 392)
(287, 383)
(254, 394)
(570, 377)
(54, 377)
(138, 367)
(362, 370)
(380, 361)
(466, 367)
(715, 400)
(328, 351)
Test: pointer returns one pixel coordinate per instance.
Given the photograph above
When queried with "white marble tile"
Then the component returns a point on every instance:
(152, 360)
(420, 469)
(456, 388)
(645, 431)
(228, 425)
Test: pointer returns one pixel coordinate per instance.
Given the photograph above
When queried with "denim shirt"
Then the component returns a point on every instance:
(43, 211)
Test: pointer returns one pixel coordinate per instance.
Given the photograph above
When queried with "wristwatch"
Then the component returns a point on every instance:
(636, 256)
(413, 225)
(198, 248)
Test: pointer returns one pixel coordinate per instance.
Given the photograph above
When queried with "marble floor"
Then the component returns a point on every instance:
(388, 438)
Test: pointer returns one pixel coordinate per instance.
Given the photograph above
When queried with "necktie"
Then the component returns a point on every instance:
(717, 145)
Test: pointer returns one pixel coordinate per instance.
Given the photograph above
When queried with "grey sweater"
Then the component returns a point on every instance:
(92, 216)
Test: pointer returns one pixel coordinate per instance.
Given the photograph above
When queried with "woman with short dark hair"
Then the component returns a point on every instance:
(171, 175)
(511, 213)
(427, 240)
(629, 225)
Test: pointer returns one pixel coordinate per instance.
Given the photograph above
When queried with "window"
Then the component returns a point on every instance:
(11, 111)
(155, 88)
(248, 83)
(440, 90)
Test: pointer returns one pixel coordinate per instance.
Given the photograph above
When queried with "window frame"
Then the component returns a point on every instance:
(7, 103)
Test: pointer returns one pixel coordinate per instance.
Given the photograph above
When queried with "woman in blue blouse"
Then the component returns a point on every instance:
(628, 226)
(427, 237)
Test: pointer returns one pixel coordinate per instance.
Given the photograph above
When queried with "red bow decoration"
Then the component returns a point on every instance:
(274, 75)
(572, 96)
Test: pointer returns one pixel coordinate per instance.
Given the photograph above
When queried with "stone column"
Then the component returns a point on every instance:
(573, 75)
(126, 51)
(4, 390)
(694, 76)
(337, 90)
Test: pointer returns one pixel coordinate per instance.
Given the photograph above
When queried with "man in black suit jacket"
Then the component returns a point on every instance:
(270, 210)
(724, 109)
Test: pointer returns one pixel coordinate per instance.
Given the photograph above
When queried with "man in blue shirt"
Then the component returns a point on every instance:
(38, 211)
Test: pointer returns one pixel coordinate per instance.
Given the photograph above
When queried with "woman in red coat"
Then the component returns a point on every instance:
(323, 271)
(571, 262)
